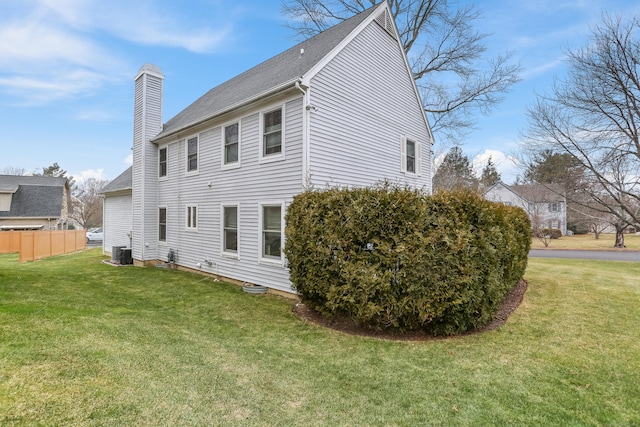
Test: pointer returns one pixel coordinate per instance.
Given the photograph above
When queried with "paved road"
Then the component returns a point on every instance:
(599, 255)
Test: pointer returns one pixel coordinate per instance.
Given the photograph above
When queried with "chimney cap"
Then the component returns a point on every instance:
(149, 68)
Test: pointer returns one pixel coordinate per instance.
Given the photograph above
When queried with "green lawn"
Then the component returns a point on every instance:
(83, 343)
(589, 242)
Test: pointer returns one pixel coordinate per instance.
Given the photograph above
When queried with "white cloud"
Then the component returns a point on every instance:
(506, 165)
(143, 22)
(57, 49)
(97, 174)
(129, 159)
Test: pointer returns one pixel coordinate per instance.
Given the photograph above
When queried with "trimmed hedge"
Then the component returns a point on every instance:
(393, 258)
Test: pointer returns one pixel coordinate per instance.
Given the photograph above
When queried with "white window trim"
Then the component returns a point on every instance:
(186, 156)
(166, 226)
(272, 157)
(226, 254)
(261, 258)
(186, 217)
(403, 155)
(166, 176)
(236, 164)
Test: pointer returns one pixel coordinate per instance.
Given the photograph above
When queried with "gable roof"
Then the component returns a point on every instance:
(536, 193)
(124, 181)
(539, 193)
(33, 196)
(269, 77)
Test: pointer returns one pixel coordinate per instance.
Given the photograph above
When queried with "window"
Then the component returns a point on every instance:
(162, 166)
(272, 232)
(230, 229)
(162, 224)
(192, 154)
(231, 144)
(410, 158)
(272, 132)
(192, 217)
(554, 207)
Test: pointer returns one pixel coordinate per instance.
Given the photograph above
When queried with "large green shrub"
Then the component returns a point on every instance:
(390, 257)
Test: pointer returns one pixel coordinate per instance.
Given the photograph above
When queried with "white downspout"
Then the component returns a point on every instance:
(306, 134)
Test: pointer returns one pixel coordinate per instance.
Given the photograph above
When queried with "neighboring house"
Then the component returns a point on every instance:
(211, 187)
(545, 204)
(34, 203)
(117, 213)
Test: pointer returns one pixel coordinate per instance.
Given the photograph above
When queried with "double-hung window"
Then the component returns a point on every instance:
(162, 224)
(192, 217)
(192, 154)
(554, 207)
(231, 144)
(272, 133)
(230, 229)
(162, 162)
(271, 232)
(410, 156)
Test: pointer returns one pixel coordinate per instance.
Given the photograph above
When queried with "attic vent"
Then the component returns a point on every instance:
(385, 21)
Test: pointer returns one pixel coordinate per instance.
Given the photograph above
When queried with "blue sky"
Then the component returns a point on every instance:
(67, 68)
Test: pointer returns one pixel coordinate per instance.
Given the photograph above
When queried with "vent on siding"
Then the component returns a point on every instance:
(385, 21)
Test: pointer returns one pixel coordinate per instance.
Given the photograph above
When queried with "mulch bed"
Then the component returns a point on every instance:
(509, 305)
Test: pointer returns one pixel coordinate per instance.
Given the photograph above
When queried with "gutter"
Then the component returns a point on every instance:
(289, 84)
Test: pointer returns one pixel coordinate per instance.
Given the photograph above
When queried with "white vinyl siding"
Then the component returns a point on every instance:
(147, 123)
(118, 221)
(365, 102)
(215, 187)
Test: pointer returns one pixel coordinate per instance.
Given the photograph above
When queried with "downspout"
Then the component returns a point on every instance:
(306, 134)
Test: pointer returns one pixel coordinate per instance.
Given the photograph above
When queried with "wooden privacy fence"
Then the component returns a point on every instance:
(34, 245)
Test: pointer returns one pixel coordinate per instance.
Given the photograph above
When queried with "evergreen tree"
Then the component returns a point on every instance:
(490, 175)
(455, 172)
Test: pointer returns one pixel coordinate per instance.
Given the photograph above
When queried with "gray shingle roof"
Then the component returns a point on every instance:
(121, 182)
(268, 76)
(33, 196)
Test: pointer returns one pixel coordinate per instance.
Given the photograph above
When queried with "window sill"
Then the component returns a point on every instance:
(229, 255)
(229, 166)
(271, 262)
(271, 158)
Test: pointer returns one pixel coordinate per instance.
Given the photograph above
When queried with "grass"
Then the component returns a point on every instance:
(82, 343)
(589, 242)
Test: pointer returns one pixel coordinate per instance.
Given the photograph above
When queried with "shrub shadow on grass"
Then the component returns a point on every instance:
(348, 326)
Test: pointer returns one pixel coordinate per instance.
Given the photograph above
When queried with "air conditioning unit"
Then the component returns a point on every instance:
(125, 256)
(116, 253)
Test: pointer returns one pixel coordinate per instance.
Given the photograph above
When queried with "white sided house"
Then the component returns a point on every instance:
(211, 186)
(545, 204)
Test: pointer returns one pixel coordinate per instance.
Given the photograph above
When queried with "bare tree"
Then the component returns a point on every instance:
(12, 170)
(445, 52)
(594, 116)
(88, 202)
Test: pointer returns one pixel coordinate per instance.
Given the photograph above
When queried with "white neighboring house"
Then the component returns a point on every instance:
(211, 186)
(545, 204)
